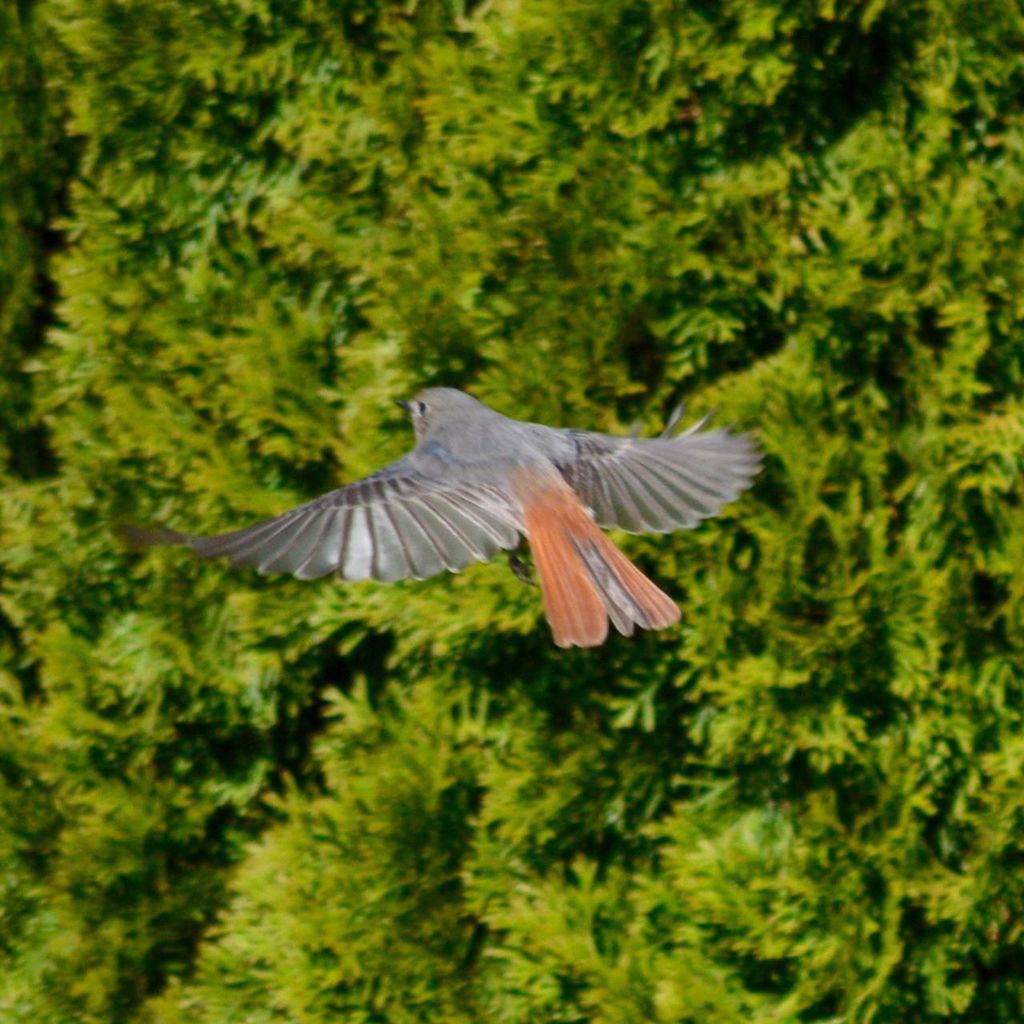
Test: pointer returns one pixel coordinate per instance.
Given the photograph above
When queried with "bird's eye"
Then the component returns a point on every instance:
(421, 408)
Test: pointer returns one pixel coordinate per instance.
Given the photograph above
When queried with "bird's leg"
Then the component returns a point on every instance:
(520, 567)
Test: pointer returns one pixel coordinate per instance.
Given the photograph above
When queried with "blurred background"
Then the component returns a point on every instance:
(232, 232)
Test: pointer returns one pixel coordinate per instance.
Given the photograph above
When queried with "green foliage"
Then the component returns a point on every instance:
(224, 798)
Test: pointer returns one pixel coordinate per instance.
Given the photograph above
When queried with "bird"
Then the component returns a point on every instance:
(478, 482)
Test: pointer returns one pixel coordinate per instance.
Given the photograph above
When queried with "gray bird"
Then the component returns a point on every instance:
(478, 482)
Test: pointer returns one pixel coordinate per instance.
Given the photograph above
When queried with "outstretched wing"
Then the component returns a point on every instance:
(396, 524)
(659, 484)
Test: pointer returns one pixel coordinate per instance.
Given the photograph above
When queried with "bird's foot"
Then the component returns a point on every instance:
(520, 568)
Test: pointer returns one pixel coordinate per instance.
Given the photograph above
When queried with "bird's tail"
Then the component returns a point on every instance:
(585, 579)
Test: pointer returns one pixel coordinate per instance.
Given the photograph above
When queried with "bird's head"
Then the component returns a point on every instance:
(433, 406)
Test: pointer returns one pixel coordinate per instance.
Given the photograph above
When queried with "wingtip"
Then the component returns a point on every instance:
(140, 537)
(697, 427)
(674, 419)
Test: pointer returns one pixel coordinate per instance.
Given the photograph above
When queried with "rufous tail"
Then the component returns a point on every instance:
(584, 578)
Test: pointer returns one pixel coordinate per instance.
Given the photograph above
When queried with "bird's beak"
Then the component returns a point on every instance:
(404, 404)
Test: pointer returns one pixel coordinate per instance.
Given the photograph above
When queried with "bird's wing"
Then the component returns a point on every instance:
(659, 484)
(398, 523)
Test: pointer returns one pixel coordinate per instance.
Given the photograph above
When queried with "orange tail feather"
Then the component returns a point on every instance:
(584, 577)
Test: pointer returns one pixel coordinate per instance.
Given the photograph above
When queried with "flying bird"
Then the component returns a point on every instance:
(478, 482)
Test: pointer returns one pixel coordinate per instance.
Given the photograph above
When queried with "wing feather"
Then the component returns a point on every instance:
(663, 483)
(657, 498)
(297, 542)
(325, 555)
(455, 550)
(421, 554)
(393, 525)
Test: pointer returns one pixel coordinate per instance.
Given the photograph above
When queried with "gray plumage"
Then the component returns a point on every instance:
(450, 502)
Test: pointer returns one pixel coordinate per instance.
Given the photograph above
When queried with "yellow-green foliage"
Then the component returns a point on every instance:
(230, 799)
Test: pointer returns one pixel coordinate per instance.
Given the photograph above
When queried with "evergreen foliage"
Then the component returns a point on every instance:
(232, 799)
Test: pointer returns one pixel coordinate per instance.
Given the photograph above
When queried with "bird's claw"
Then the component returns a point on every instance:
(520, 568)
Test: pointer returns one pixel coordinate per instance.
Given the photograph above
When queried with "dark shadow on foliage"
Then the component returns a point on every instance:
(842, 74)
(301, 718)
